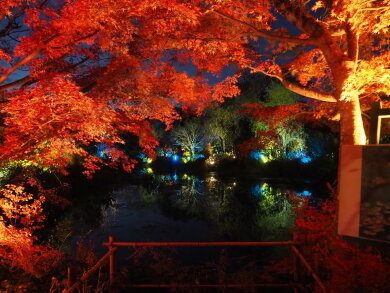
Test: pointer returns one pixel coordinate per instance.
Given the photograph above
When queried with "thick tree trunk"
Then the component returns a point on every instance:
(351, 123)
(343, 66)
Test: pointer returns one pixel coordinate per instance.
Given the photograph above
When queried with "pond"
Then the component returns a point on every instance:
(182, 207)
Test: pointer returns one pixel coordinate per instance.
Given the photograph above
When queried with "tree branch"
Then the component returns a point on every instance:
(320, 96)
(15, 83)
(25, 60)
(78, 40)
(36, 52)
(353, 45)
(267, 35)
(324, 97)
(30, 80)
(298, 16)
(11, 23)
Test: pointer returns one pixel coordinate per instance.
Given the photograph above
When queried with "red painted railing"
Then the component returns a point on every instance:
(113, 246)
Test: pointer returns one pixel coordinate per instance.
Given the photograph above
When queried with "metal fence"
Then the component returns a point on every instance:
(110, 258)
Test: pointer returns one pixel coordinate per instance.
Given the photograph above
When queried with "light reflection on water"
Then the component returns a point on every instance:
(181, 207)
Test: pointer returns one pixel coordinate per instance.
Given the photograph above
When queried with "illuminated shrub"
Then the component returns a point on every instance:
(21, 214)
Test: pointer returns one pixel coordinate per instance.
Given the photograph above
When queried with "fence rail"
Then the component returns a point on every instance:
(113, 246)
(194, 244)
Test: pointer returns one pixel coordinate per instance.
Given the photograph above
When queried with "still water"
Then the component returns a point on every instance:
(181, 207)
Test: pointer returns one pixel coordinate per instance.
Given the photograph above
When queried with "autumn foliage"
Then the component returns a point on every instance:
(343, 266)
(96, 70)
(21, 213)
(78, 72)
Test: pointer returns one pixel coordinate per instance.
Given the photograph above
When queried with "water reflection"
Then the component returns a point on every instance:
(183, 207)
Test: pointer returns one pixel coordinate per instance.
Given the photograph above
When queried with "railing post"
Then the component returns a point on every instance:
(296, 267)
(69, 278)
(111, 240)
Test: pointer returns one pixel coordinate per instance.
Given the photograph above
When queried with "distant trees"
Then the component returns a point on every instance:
(266, 117)
(189, 136)
(276, 127)
(223, 125)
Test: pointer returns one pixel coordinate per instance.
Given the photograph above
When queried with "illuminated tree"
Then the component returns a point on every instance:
(115, 63)
(223, 125)
(20, 214)
(337, 52)
(74, 73)
(189, 137)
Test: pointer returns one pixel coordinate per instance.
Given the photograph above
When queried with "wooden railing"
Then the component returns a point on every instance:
(113, 246)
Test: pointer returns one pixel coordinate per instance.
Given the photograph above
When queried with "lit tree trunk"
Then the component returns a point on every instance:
(343, 66)
(222, 144)
(351, 122)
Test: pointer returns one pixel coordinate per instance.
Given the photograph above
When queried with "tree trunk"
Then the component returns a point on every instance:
(351, 123)
(343, 66)
(222, 144)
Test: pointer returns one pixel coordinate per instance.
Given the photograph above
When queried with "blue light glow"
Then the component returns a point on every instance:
(257, 190)
(301, 155)
(258, 155)
(305, 193)
(101, 150)
(305, 160)
(175, 158)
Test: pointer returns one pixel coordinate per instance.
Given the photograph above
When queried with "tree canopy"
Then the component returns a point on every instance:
(76, 72)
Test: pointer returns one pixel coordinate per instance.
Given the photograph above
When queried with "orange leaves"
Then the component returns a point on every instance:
(373, 75)
(225, 89)
(309, 66)
(21, 214)
(20, 209)
(273, 115)
(127, 42)
(317, 5)
(3, 55)
(131, 73)
(44, 123)
(369, 17)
